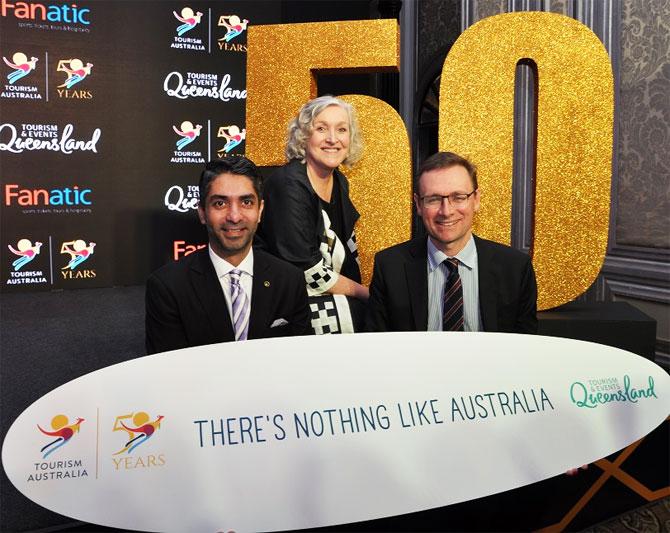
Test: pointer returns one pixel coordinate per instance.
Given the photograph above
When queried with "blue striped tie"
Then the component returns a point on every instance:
(240, 306)
(452, 311)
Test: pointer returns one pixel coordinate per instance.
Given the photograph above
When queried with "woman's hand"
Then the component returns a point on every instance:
(349, 287)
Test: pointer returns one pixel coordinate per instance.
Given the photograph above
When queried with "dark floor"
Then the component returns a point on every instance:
(50, 338)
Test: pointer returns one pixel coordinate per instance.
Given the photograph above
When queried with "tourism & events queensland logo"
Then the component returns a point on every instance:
(137, 428)
(201, 85)
(58, 200)
(65, 431)
(182, 200)
(592, 393)
(22, 82)
(187, 20)
(62, 16)
(233, 137)
(187, 133)
(26, 136)
(234, 27)
(79, 252)
(24, 253)
(74, 72)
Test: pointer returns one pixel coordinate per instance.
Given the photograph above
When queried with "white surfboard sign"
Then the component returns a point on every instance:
(303, 432)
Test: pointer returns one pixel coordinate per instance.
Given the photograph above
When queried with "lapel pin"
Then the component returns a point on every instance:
(266, 283)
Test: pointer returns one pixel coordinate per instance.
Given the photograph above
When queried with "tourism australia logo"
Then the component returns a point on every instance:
(59, 433)
(186, 30)
(24, 270)
(21, 77)
(187, 143)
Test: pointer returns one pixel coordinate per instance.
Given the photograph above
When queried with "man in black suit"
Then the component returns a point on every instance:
(227, 291)
(452, 280)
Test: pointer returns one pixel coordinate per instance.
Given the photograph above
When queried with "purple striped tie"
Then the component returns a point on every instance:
(452, 311)
(240, 306)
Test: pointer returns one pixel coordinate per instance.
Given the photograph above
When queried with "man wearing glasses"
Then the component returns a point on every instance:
(452, 280)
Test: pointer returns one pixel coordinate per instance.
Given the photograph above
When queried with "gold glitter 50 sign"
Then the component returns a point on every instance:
(574, 132)
(574, 139)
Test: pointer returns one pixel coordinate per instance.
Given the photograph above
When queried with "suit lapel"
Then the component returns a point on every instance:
(417, 283)
(261, 294)
(208, 290)
(488, 292)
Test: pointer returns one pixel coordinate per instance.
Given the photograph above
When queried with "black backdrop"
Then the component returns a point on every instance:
(110, 189)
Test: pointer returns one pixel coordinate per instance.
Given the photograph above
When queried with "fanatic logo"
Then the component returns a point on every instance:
(70, 14)
(65, 196)
(182, 249)
(22, 66)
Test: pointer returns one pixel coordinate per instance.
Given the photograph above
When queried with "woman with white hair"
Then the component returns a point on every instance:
(309, 218)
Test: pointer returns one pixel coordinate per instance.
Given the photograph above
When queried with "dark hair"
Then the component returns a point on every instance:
(442, 160)
(238, 165)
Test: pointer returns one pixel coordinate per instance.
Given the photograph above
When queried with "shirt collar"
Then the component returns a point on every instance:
(223, 267)
(467, 256)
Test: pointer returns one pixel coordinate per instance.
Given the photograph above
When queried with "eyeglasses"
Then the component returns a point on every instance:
(455, 199)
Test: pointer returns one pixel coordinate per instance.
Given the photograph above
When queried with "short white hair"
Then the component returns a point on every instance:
(300, 129)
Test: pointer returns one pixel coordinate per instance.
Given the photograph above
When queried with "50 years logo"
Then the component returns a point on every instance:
(75, 72)
(79, 253)
(138, 429)
(233, 136)
(234, 28)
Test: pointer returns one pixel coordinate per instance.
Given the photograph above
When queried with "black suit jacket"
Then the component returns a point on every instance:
(399, 288)
(185, 305)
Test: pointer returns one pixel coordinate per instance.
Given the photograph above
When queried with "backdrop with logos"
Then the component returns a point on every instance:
(108, 112)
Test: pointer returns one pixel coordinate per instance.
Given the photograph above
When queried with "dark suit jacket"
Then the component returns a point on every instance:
(399, 288)
(185, 305)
